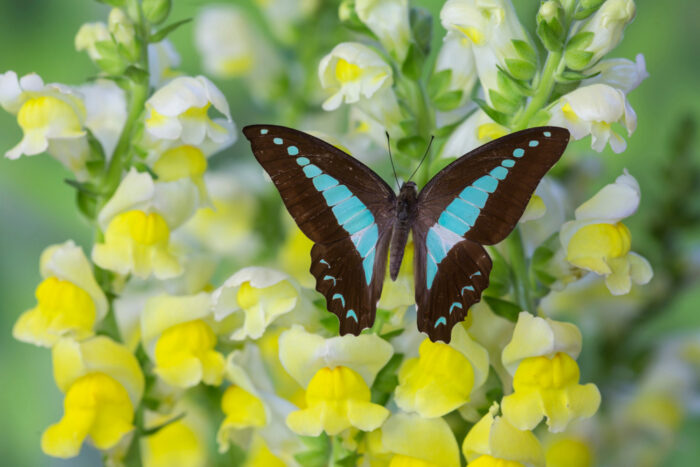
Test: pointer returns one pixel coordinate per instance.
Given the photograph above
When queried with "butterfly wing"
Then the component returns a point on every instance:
(477, 200)
(342, 206)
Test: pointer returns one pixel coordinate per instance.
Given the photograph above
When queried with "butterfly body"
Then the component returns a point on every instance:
(354, 218)
(406, 204)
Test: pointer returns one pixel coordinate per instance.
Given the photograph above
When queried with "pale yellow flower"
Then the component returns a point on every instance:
(178, 444)
(598, 241)
(414, 441)
(253, 298)
(494, 442)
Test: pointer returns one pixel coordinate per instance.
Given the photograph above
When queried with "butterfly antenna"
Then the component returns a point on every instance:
(424, 156)
(388, 145)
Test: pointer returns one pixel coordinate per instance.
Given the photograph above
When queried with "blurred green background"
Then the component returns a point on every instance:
(37, 207)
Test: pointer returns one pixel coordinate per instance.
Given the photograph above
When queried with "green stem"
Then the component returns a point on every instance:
(543, 90)
(519, 265)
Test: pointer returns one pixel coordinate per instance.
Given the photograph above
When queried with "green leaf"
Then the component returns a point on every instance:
(496, 116)
(503, 308)
(577, 59)
(350, 460)
(411, 145)
(580, 41)
(439, 82)
(503, 104)
(409, 126)
(511, 86)
(448, 101)
(87, 204)
(422, 28)
(520, 69)
(544, 277)
(569, 76)
(312, 458)
(386, 380)
(137, 74)
(387, 336)
(413, 64)
(157, 428)
(499, 279)
(163, 32)
(542, 255)
(114, 3)
(549, 38)
(584, 13)
(525, 50)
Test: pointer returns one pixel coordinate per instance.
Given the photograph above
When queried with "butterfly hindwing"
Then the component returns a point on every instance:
(342, 206)
(476, 200)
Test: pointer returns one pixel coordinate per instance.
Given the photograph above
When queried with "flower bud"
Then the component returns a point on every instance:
(156, 11)
(550, 27)
(122, 29)
(600, 34)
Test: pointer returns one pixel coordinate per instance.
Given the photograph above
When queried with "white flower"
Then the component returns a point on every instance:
(162, 59)
(457, 54)
(179, 111)
(224, 37)
(598, 241)
(554, 201)
(472, 133)
(352, 71)
(105, 104)
(491, 26)
(608, 24)
(593, 110)
(51, 117)
(388, 19)
(254, 297)
(619, 73)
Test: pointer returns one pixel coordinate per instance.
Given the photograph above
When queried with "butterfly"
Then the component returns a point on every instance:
(354, 218)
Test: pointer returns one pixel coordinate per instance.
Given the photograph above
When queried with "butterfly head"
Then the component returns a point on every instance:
(409, 190)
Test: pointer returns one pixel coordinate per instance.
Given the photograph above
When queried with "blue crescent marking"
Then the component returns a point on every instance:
(468, 287)
(455, 304)
(340, 297)
(441, 320)
(323, 261)
(351, 314)
(325, 278)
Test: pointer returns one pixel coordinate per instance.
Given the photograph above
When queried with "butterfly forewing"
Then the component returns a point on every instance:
(341, 205)
(477, 200)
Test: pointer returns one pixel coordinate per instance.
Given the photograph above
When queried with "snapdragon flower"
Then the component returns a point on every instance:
(598, 241)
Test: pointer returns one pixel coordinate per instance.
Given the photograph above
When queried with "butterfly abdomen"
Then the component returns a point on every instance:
(405, 215)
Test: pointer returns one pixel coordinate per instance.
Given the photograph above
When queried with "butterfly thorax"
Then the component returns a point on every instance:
(405, 214)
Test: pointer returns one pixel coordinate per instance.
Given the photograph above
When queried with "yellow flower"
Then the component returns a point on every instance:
(178, 444)
(428, 385)
(253, 298)
(103, 384)
(569, 452)
(597, 241)
(242, 410)
(295, 257)
(70, 302)
(415, 441)
(388, 20)
(398, 295)
(336, 399)
(178, 338)
(494, 442)
(180, 167)
(548, 387)
(259, 455)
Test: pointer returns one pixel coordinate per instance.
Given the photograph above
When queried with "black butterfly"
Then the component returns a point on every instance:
(353, 217)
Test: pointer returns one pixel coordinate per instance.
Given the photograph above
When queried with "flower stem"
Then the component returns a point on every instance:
(543, 90)
(519, 266)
